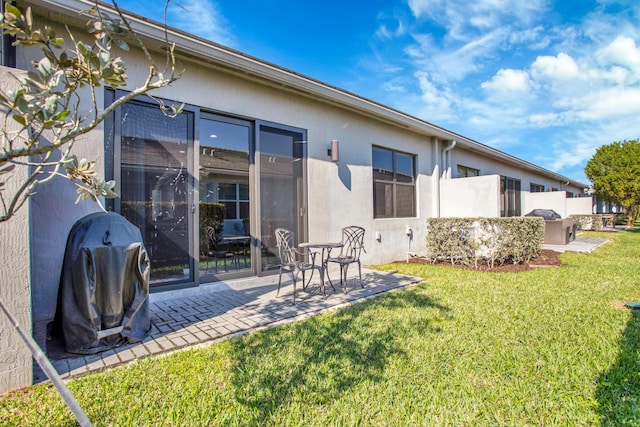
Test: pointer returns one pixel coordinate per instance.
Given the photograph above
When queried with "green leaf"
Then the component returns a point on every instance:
(83, 48)
(8, 7)
(44, 66)
(61, 115)
(20, 119)
(122, 44)
(51, 104)
(103, 47)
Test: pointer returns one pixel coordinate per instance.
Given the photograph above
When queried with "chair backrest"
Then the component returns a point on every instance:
(284, 241)
(352, 241)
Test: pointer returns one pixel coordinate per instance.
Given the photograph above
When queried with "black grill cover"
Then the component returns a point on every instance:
(104, 284)
(547, 214)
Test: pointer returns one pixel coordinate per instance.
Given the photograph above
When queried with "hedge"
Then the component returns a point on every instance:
(588, 222)
(469, 241)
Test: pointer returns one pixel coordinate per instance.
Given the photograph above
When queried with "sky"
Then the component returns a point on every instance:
(546, 81)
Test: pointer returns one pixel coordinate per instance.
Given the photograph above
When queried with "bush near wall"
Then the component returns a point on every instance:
(588, 222)
(469, 241)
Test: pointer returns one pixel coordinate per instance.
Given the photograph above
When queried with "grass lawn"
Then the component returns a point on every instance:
(550, 346)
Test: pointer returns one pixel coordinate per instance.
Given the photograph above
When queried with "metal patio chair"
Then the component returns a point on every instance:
(218, 251)
(290, 260)
(352, 246)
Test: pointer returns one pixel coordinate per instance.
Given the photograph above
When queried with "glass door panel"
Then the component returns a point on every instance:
(155, 192)
(224, 229)
(281, 189)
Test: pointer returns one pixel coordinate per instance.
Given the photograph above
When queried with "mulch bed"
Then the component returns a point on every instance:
(547, 258)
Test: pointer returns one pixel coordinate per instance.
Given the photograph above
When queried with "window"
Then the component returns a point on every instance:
(235, 198)
(465, 171)
(570, 194)
(510, 204)
(394, 184)
(7, 49)
(536, 188)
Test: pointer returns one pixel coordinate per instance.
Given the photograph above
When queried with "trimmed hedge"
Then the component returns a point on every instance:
(588, 222)
(467, 241)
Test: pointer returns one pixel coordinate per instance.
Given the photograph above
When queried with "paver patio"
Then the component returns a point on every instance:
(200, 316)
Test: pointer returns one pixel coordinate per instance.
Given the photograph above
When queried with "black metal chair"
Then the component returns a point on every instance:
(218, 251)
(290, 260)
(352, 246)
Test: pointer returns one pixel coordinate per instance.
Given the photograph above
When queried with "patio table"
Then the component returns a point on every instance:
(323, 246)
(241, 245)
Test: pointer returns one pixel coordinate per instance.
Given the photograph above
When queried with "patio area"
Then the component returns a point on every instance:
(199, 316)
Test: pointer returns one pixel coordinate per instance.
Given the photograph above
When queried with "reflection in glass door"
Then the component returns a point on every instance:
(224, 228)
(155, 192)
(282, 192)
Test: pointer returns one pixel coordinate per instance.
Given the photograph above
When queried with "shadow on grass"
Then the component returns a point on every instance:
(318, 361)
(618, 391)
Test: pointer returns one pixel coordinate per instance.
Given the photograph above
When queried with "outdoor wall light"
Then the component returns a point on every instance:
(333, 152)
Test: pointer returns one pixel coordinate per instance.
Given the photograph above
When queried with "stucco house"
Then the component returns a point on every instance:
(275, 148)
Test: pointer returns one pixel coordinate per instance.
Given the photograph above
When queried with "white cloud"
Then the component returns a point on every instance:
(454, 64)
(560, 67)
(431, 95)
(508, 83)
(621, 52)
(506, 73)
(605, 104)
(202, 18)
(479, 14)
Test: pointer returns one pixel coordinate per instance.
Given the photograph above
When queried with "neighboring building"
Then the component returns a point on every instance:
(255, 137)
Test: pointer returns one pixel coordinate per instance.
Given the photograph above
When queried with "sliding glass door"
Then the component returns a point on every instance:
(156, 186)
(224, 206)
(208, 191)
(282, 189)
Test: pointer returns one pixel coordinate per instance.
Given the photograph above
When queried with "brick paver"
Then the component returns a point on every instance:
(185, 320)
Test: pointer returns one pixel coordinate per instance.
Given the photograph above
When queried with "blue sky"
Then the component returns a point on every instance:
(548, 82)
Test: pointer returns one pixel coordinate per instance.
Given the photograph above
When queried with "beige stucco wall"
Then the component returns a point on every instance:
(15, 293)
(470, 197)
(53, 211)
(555, 200)
(339, 194)
(579, 206)
(558, 201)
(491, 166)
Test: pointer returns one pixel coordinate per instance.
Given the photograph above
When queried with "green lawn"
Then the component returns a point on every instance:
(551, 346)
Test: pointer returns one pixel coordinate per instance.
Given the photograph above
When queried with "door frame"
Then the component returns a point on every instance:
(112, 137)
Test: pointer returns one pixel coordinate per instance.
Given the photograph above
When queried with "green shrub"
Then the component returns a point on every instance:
(467, 241)
(588, 222)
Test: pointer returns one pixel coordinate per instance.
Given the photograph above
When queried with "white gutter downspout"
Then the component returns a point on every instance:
(446, 160)
(435, 179)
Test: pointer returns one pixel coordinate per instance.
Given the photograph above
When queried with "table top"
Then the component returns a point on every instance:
(227, 238)
(319, 245)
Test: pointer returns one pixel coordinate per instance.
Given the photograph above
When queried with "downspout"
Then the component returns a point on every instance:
(435, 179)
(446, 160)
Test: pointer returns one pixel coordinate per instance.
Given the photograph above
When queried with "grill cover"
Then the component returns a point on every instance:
(547, 214)
(104, 285)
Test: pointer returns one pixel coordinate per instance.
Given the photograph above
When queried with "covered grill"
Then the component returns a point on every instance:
(557, 230)
(103, 300)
